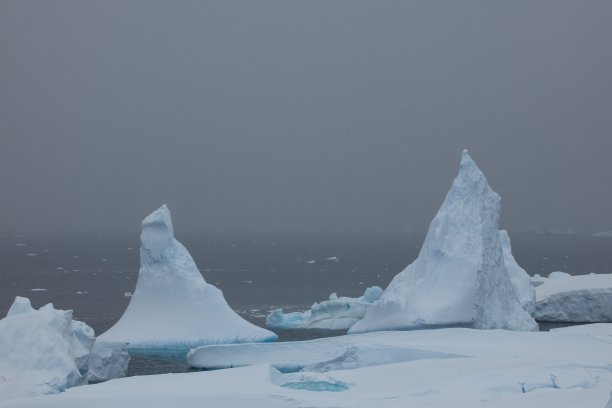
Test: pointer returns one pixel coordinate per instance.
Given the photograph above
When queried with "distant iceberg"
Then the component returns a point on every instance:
(172, 305)
(42, 351)
(337, 313)
(561, 231)
(460, 276)
(603, 234)
(579, 299)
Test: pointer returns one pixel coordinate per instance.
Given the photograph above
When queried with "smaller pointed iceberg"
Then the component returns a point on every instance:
(460, 277)
(172, 305)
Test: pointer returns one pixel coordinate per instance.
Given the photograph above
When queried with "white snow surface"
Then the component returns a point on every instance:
(494, 368)
(172, 305)
(582, 298)
(336, 313)
(459, 277)
(602, 331)
(108, 361)
(41, 351)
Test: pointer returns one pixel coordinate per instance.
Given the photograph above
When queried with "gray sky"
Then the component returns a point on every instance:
(312, 116)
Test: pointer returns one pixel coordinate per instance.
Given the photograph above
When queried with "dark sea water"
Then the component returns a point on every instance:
(256, 274)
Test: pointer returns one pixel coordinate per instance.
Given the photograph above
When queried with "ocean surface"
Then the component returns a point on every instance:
(256, 274)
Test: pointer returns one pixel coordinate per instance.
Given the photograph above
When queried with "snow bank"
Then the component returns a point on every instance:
(565, 298)
(41, 351)
(172, 305)
(459, 277)
(108, 361)
(336, 313)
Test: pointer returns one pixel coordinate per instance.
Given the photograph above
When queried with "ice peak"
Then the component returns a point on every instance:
(468, 163)
(470, 176)
(20, 305)
(157, 230)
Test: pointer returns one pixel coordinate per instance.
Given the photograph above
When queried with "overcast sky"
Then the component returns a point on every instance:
(311, 116)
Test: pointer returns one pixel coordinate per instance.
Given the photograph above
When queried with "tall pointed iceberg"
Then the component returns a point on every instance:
(172, 305)
(459, 277)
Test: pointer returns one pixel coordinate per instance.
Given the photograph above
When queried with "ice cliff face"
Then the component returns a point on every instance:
(521, 281)
(172, 305)
(459, 277)
(108, 361)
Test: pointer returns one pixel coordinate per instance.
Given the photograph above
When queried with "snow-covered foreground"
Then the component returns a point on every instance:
(451, 368)
(565, 298)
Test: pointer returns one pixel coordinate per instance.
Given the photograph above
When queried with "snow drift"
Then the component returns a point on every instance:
(336, 313)
(459, 277)
(172, 305)
(497, 369)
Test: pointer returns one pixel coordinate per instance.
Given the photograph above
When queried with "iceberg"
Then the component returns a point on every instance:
(172, 305)
(576, 299)
(460, 277)
(603, 234)
(561, 231)
(42, 351)
(337, 313)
